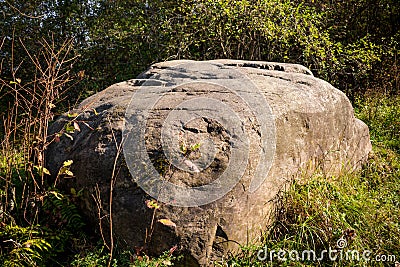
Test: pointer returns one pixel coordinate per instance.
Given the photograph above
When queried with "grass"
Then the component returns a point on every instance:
(382, 114)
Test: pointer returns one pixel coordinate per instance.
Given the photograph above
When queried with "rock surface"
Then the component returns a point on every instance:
(305, 125)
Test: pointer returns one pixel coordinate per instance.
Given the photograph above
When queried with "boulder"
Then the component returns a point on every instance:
(193, 153)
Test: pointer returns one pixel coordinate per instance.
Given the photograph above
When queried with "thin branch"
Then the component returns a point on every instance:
(23, 14)
(97, 200)
(112, 183)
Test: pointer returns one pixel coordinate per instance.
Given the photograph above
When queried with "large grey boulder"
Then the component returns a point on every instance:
(214, 173)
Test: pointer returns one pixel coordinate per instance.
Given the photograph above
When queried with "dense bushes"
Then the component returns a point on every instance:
(318, 37)
(349, 43)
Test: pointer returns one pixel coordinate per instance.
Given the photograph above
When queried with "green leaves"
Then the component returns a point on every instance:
(152, 204)
(195, 147)
(41, 170)
(26, 246)
(72, 126)
(69, 127)
(65, 169)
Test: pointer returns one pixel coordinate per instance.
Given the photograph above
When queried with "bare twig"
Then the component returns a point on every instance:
(23, 14)
(26, 123)
(97, 200)
(112, 183)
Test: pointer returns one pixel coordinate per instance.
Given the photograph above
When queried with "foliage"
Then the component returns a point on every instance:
(40, 244)
(262, 30)
(350, 20)
(382, 114)
(349, 43)
(64, 212)
(22, 246)
(98, 257)
(37, 222)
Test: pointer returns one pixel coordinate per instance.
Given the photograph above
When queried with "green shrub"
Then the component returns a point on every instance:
(382, 115)
(22, 246)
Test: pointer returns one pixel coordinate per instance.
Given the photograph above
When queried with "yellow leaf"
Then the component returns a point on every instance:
(46, 171)
(68, 163)
(167, 222)
(81, 74)
(68, 172)
(72, 115)
(152, 204)
(56, 194)
(42, 170)
(73, 191)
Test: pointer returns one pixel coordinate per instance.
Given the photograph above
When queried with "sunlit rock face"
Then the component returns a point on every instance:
(211, 142)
